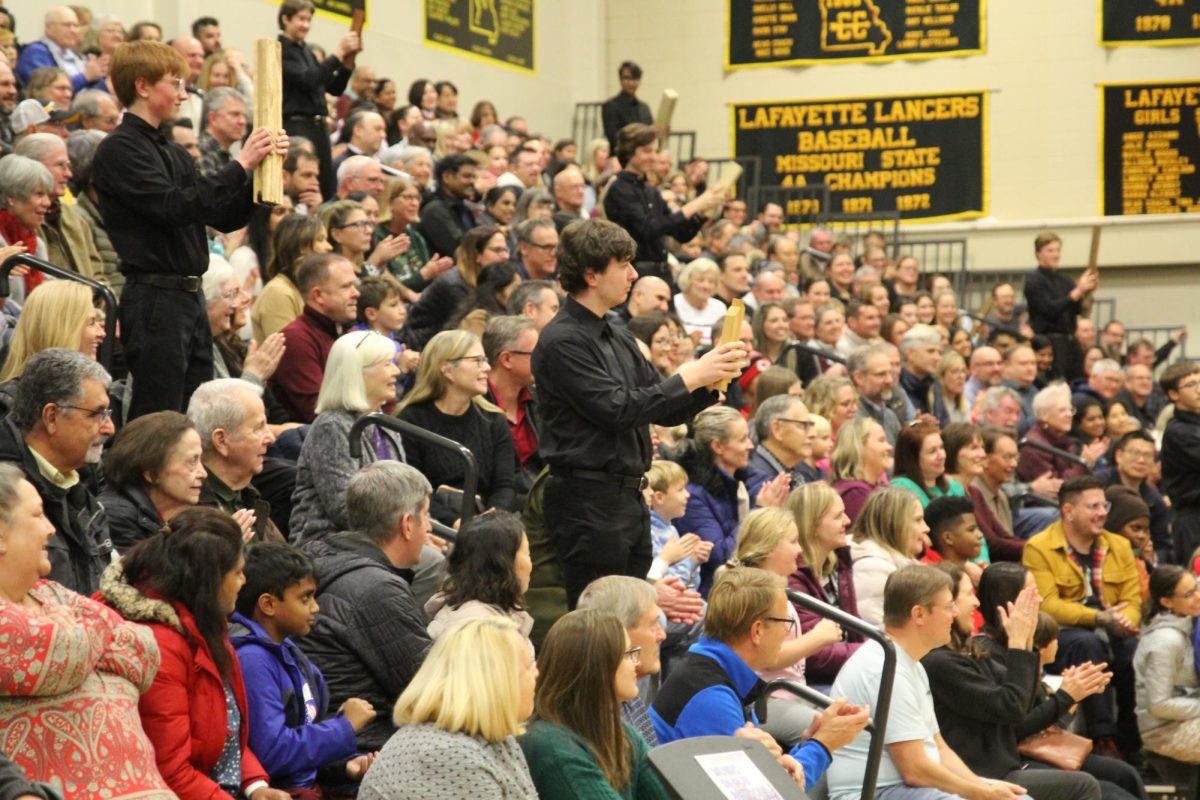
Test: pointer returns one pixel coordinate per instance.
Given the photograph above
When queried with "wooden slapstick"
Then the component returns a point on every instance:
(268, 113)
(666, 110)
(729, 178)
(1085, 307)
(731, 332)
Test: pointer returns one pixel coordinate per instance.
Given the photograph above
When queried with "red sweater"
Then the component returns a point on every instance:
(297, 381)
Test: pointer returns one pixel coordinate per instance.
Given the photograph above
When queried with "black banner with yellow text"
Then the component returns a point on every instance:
(1150, 143)
(778, 33)
(496, 31)
(922, 155)
(1141, 22)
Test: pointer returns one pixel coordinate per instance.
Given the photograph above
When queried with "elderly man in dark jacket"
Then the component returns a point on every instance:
(370, 637)
(55, 433)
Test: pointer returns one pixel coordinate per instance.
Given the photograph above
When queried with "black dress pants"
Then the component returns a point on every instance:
(598, 529)
(313, 130)
(168, 346)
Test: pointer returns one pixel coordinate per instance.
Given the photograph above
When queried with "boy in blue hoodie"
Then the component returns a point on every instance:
(287, 700)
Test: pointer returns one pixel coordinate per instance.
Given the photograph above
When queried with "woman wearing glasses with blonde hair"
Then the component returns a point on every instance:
(449, 397)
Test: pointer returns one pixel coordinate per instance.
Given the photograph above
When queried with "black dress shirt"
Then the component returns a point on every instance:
(1051, 309)
(306, 81)
(619, 111)
(598, 394)
(639, 208)
(155, 203)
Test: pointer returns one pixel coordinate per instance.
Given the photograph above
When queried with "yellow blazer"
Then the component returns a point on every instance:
(1061, 582)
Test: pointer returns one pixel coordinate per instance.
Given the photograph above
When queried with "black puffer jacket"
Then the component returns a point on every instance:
(369, 639)
(131, 514)
(81, 547)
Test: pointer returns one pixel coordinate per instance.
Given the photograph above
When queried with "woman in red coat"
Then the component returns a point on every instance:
(183, 584)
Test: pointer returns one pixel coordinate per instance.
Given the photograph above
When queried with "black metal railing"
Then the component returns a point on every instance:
(858, 225)
(883, 701)
(945, 256)
(99, 292)
(408, 430)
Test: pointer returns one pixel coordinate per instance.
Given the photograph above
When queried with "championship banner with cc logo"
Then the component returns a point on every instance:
(780, 33)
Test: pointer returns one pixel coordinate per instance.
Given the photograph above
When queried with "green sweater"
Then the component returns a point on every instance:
(563, 767)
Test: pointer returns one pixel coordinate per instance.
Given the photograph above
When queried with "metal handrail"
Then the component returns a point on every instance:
(816, 351)
(883, 701)
(1054, 451)
(104, 355)
(470, 473)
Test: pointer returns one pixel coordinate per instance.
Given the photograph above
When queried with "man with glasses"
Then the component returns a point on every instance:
(445, 216)
(1133, 457)
(1181, 454)
(537, 246)
(59, 47)
(59, 422)
(97, 109)
(225, 114)
(157, 206)
(713, 689)
(508, 343)
(1088, 581)
(916, 763)
(784, 431)
(68, 238)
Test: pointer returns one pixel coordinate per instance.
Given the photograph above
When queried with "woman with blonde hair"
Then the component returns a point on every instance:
(481, 246)
(360, 378)
(399, 213)
(824, 571)
(834, 398)
(448, 398)
(951, 375)
(695, 304)
(768, 539)
(889, 533)
(577, 745)
(862, 458)
(458, 719)
(59, 314)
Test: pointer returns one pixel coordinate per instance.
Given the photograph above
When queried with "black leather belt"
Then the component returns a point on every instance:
(163, 280)
(624, 481)
(318, 119)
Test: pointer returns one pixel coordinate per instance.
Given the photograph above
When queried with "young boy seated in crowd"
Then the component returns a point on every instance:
(381, 309)
(955, 534)
(287, 700)
(674, 555)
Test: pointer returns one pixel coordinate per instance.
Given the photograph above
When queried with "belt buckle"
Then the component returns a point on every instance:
(643, 484)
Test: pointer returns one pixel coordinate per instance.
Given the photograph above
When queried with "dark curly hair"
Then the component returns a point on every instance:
(482, 564)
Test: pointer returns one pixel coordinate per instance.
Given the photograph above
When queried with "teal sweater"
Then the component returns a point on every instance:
(563, 767)
(926, 494)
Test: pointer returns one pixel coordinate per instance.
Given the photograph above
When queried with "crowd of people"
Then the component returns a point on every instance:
(208, 589)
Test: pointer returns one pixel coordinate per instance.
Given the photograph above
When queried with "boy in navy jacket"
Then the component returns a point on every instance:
(287, 699)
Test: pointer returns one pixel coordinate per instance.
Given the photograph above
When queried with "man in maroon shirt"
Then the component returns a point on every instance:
(508, 344)
(330, 291)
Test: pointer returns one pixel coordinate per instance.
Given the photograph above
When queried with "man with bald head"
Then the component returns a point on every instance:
(568, 196)
(649, 294)
(985, 373)
(359, 174)
(59, 47)
(193, 53)
(768, 287)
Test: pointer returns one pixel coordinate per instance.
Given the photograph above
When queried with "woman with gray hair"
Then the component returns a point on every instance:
(695, 304)
(360, 377)
(26, 193)
(1054, 411)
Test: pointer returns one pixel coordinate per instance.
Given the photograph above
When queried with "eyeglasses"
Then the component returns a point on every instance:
(229, 296)
(520, 352)
(806, 424)
(1139, 455)
(662, 341)
(362, 224)
(787, 622)
(546, 248)
(634, 654)
(179, 84)
(1104, 504)
(480, 361)
(104, 414)
(497, 249)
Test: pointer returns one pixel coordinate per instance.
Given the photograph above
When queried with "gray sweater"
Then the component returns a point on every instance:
(1165, 673)
(324, 471)
(424, 761)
